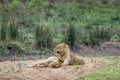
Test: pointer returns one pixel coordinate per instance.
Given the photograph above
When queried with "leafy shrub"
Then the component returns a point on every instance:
(98, 34)
(11, 48)
(18, 12)
(71, 35)
(13, 31)
(43, 36)
(37, 5)
(115, 38)
(3, 33)
(4, 27)
(17, 7)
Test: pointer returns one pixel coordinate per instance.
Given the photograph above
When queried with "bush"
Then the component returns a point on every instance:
(4, 27)
(13, 31)
(71, 35)
(43, 36)
(98, 34)
(115, 38)
(11, 48)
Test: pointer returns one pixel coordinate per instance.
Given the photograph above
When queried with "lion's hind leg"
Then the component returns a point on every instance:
(44, 63)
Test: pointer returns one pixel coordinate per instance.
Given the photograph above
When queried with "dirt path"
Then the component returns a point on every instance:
(17, 70)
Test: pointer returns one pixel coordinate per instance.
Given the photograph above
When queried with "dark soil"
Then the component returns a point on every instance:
(105, 49)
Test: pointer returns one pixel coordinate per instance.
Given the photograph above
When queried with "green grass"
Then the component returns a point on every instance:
(58, 15)
(111, 71)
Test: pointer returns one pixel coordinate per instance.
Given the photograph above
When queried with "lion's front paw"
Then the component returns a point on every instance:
(30, 66)
(64, 64)
(51, 65)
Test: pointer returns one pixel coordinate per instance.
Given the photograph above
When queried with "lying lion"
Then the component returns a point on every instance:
(65, 57)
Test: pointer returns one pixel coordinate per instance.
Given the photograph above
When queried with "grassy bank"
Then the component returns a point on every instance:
(109, 72)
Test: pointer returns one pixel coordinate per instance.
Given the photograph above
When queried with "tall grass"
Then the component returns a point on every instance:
(90, 36)
(43, 36)
(13, 31)
(71, 35)
(59, 13)
(94, 35)
(98, 34)
(3, 27)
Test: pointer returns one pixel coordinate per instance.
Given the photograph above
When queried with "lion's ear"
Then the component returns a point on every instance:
(65, 45)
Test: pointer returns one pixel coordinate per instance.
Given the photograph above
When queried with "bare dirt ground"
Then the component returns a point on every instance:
(17, 70)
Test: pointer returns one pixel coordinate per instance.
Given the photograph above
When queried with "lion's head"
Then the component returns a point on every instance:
(61, 48)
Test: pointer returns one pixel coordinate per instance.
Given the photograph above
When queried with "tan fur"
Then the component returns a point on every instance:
(65, 58)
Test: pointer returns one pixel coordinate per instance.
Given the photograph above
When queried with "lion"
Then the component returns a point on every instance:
(65, 58)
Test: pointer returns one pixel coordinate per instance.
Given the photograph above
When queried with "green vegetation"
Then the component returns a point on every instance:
(43, 36)
(98, 34)
(47, 22)
(111, 71)
(71, 35)
(11, 48)
(3, 27)
(13, 31)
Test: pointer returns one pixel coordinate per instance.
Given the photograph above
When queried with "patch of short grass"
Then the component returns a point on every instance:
(111, 71)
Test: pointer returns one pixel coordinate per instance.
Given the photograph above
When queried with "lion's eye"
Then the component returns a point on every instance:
(58, 52)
